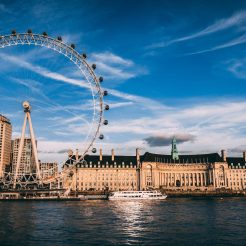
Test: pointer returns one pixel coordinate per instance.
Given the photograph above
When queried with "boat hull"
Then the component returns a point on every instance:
(134, 198)
(137, 195)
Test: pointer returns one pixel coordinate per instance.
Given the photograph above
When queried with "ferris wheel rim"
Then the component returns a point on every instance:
(77, 59)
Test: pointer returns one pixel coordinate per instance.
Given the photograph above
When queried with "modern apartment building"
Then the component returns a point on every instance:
(48, 169)
(5, 143)
(27, 163)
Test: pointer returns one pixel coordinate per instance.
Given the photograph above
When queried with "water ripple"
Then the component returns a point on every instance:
(170, 222)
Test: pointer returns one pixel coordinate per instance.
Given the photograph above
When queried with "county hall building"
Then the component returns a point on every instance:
(154, 171)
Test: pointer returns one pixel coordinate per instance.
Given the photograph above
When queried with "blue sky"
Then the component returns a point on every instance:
(171, 67)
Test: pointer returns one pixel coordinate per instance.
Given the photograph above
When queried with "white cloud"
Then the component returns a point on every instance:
(114, 67)
(144, 101)
(43, 71)
(111, 58)
(237, 67)
(217, 125)
(72, 38)
(56, 151)
(148, 103)
(120, 104)
(234, 42)
(192, 118)
(50, 150)
(33, 85)
(222, 121)
(236, 20)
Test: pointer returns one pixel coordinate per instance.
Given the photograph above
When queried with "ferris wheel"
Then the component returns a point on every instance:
(87, 71)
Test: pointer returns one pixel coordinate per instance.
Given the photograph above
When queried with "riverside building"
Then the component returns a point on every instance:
(27, 163)
(154, 171)
(104, 172)
(48, 169)
(5, 143)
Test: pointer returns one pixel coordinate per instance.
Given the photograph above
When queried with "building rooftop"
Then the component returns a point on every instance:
(4, 119)
(235, 161)
(150, 157)
(200, 158)
(106, 159)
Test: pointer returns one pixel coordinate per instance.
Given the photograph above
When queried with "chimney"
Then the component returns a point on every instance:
(101, 157)
(77, 155)
(223, 154)
(138, 170)
(137, 155)
(244, 156)
(112, 152)
(70, 153)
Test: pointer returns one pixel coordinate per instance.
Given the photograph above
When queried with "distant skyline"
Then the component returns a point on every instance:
(172, 68)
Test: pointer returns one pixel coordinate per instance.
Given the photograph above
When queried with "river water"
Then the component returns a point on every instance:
(175, 221)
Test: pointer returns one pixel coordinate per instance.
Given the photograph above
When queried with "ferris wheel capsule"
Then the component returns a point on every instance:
(105, 93)
(94, 150)
(73, 46)
(45, 34)
(101, 136)
(94, 66)
(105, 122)
(59, 38)
(29, 31)
(14, 32)
(84, 55)
(100, 79)
(106, 107)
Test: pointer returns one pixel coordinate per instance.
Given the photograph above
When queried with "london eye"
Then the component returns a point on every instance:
(87, 71)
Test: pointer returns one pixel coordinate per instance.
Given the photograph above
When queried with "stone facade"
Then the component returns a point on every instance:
(153, 171)
(103, 172)
(194, 172)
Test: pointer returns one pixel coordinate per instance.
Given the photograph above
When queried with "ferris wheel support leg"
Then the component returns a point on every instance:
(20, 151)
(34, 146)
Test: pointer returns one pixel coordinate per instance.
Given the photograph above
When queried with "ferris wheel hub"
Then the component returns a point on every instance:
(26, 105)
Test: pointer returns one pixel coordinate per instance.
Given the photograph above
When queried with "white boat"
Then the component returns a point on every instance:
(137, 195)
